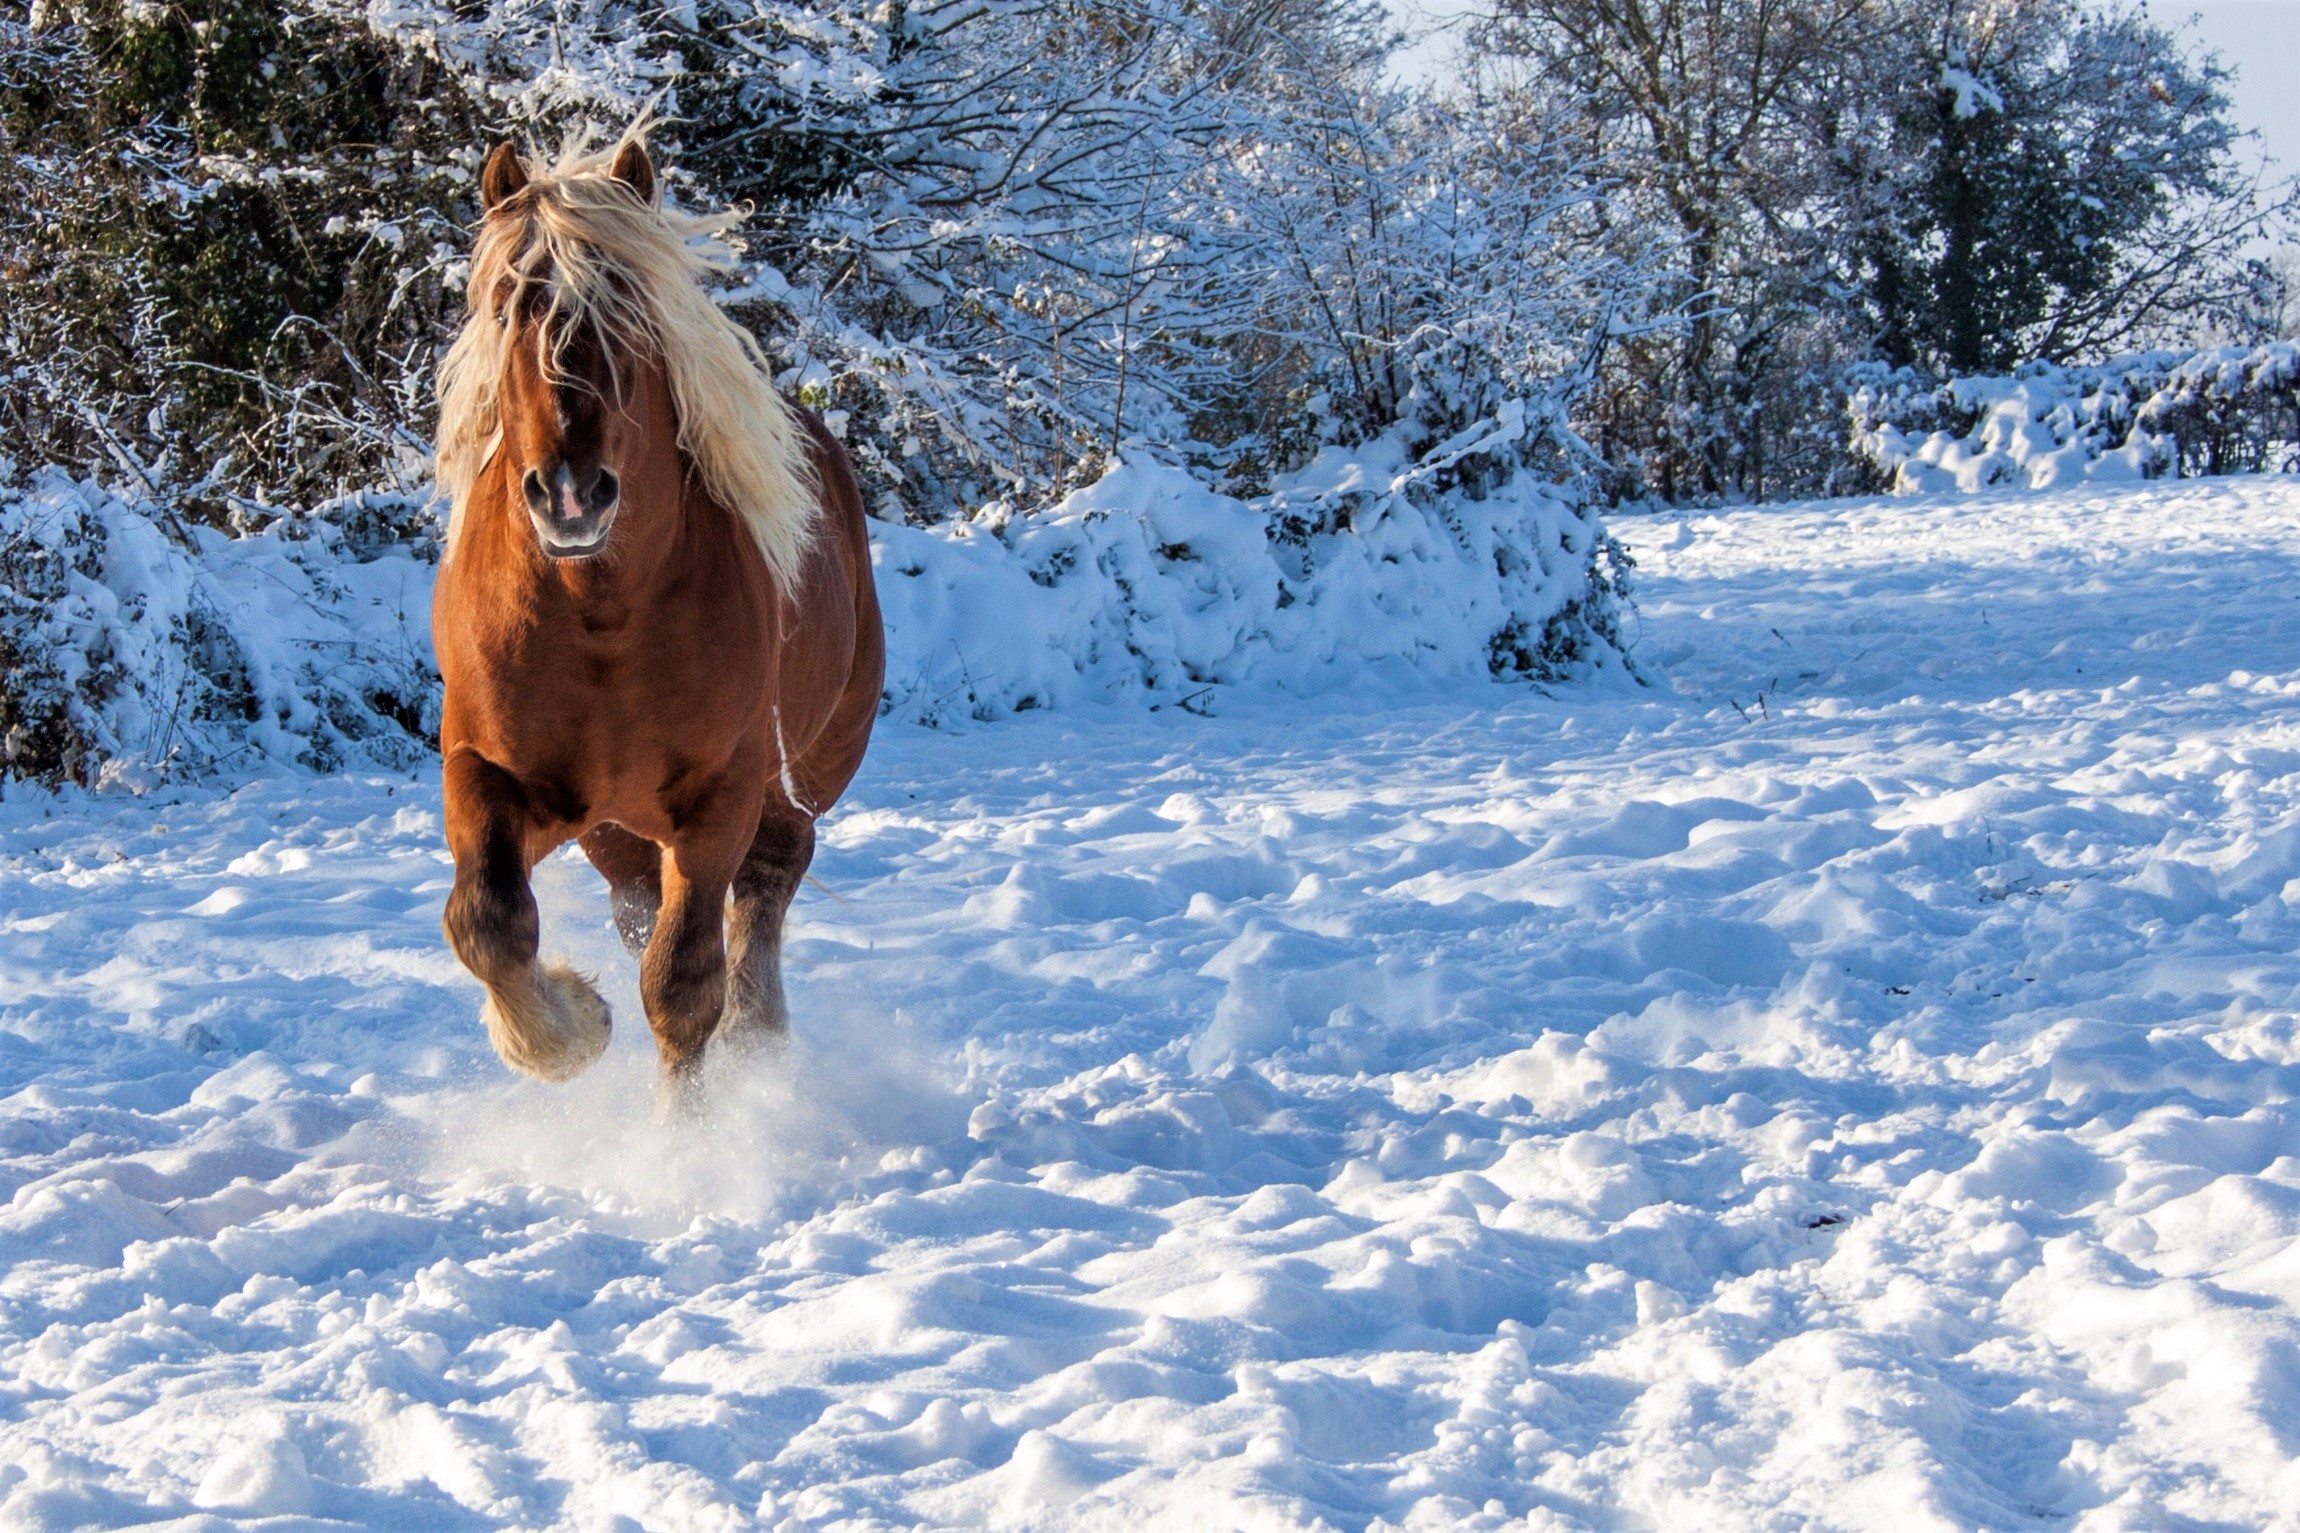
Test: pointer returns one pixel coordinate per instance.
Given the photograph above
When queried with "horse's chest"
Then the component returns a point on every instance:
(608, 708)
(662, 683)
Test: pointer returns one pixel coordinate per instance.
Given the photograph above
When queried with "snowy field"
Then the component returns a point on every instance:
(1854, 1083)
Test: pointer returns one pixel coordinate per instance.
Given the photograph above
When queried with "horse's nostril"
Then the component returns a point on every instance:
(531, 484)
(606, 490)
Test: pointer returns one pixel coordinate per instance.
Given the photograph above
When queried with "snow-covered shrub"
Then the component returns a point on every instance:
(1151, 585)
(135, 646)
(2223, 410)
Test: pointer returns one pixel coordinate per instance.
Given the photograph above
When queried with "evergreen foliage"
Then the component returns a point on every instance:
(229, 227)
(2069, 183)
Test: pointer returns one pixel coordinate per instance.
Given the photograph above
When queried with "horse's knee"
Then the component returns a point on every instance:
(493, 926)
(777, 860)
(784, 842)
(770, 876)
(491, 920)
(634, 911)
(633, 868)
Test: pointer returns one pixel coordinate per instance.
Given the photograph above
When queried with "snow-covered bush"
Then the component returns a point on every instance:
(2222, 410)
(135, 646)
(1151, 585)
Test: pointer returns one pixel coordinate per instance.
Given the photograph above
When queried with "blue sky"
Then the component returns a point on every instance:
(2260, 39)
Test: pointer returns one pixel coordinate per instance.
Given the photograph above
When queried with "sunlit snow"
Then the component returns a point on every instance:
(1850, 1083)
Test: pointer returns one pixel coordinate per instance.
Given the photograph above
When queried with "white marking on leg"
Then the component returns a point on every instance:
(783, 760)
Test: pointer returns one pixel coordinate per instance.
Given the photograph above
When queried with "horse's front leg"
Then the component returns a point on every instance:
(683, 973)
(545, 1022)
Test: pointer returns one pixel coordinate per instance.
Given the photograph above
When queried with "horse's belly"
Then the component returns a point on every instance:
(686, 714)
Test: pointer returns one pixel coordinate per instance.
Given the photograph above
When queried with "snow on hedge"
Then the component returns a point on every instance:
(2221, 410)
(1150, 585)
(140, 647)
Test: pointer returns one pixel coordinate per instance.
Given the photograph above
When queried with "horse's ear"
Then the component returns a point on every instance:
(635, 170)
(505, 176)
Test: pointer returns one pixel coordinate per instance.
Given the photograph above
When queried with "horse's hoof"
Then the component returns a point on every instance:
(680, 1096)
(746, 1039)
(564, 1033)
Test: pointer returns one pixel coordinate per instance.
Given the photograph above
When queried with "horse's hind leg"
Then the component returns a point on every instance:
(764, 886)
(633, 868)
(547, 1022)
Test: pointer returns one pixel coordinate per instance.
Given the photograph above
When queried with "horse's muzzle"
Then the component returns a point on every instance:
(573, 512)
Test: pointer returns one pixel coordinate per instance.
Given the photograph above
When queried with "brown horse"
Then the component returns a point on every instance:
(655, 618)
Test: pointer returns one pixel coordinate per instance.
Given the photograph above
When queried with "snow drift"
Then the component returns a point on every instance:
(2221, 410)
(140, 647)
(1485, 1113)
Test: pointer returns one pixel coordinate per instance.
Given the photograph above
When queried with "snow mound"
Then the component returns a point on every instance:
(1149, 585)
(1878, 1108)
(143, 648)
(138, 646)
(2216, 411)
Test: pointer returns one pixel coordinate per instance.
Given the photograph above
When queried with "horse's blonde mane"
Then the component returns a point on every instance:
(633, 272)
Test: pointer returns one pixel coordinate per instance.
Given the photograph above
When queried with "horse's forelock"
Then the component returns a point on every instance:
(631, 272)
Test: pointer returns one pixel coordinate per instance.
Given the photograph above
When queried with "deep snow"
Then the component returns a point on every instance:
(1850, 1085)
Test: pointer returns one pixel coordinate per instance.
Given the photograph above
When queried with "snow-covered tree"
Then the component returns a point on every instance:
(1950, 183)
(2062, 184)
(226, 224)
(1704, 114)
(1003, 246)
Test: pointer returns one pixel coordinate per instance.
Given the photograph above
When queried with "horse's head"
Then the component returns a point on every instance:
(595, 382)
(570, 365)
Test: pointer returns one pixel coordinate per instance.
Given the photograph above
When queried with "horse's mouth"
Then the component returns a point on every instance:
(578, 542)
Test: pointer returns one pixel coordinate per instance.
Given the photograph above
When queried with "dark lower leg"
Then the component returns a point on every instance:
(683, 976)
(763, 889)
(491, 920)
(549, 1024)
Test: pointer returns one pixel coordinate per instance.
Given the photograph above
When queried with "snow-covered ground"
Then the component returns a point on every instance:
(1852, 1084)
